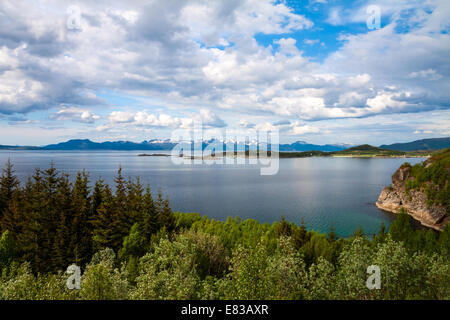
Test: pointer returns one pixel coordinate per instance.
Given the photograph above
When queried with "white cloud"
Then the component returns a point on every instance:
(143, 119)
(201, 60)
(121, 117)
(303, 129)
(75, 114)
(311, 42)
(429, 74)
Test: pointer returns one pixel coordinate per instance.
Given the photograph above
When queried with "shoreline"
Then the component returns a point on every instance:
(421, 221)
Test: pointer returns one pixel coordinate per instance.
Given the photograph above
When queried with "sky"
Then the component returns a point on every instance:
(321, 71)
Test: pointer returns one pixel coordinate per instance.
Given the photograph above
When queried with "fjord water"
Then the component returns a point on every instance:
(322, 191)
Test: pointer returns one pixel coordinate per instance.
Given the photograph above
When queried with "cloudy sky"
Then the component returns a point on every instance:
(321, 71)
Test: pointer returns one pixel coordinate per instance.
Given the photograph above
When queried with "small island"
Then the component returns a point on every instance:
(153, 155)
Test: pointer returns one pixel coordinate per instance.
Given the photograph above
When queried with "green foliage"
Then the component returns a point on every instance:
(256, 274)
(321, 280)
(134, 245)
(53, 223)
(432, 177)
(9, 185)
(368, 150)
(7, 249)
(102, 280)
(351, 277)
(169, 272)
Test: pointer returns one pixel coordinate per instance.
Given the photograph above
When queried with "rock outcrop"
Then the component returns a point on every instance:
(395, 199)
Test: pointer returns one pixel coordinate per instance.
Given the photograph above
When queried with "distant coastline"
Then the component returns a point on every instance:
(289, 150)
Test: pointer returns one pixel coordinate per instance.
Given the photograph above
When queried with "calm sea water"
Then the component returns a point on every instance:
(322, 191)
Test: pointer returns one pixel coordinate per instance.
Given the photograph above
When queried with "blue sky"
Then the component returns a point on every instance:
(321, 71)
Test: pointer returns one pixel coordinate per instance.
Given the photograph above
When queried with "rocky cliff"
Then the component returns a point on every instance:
(413, 197)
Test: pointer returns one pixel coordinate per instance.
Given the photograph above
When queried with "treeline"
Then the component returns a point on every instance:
(132, 246)
(55, 222)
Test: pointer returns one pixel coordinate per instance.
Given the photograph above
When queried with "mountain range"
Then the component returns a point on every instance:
(86, 144)
(425, 144)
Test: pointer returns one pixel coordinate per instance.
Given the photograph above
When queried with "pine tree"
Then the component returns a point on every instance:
(106, 224)
(135, 201)
(332, 235)
(48, 218)
(359, 232)
(123, 220)
(80, 235)
(29, 241)
(9, 185)
(61, 251)
(96, 202)
(149, 224)
(97, 197)
(12, 215)
(166, 218)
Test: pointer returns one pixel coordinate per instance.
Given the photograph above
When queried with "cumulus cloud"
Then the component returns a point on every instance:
(75, 114)
(210, 119)
(203, 57)
(144, 119)
(121, 117)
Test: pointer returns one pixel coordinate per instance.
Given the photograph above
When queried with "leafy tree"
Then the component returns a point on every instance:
(102, 280)
(321, 280)
(169, 272)
(134, 245)
(351, 277)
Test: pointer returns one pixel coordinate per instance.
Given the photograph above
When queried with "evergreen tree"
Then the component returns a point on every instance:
(61, 253)
(9, 185)
(11, 220)
(332, 235)
(49, 218)
(359, 232)
(149, 224)
(166, 218)
(108, 231)
(123, 221)
(283, 228)
(97, 197)
(32, 240)
(80, 242)
(135, 201)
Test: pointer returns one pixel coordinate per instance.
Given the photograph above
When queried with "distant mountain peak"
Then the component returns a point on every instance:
(298, 146)
(418, 145)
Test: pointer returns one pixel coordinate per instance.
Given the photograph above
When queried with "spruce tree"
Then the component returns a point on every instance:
(149, 224)
(80, 235)
(61, 251)
(29, 240)
(135, 201)
(48, 219)
(166, 217)
(106, 223)
(122, 220)
(9, 185)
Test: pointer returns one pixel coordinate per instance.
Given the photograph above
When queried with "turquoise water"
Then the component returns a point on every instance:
(322, 191)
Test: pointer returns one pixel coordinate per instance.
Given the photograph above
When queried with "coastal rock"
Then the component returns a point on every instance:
(395, 199)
